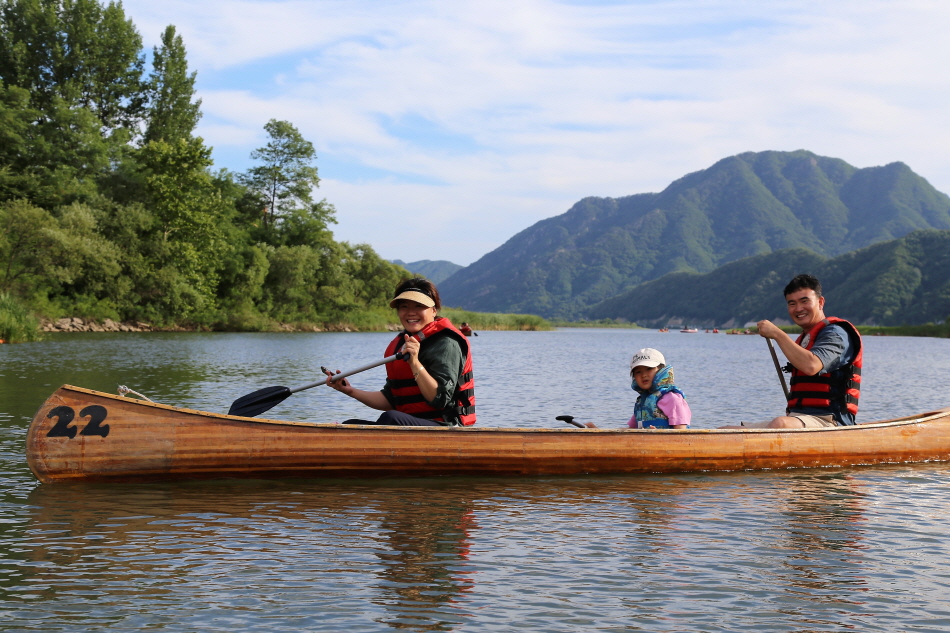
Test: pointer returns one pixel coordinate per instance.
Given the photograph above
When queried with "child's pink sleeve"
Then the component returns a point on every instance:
(675, 408)
(632, 423)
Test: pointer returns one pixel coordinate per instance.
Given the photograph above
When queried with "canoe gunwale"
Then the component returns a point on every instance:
(913, 419)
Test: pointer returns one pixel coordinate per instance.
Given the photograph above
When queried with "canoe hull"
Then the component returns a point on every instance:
(84, 435)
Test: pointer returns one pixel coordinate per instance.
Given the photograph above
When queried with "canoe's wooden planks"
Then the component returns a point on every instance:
(137, 441)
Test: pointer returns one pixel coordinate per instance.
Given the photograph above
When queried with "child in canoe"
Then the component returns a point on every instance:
(660, 405)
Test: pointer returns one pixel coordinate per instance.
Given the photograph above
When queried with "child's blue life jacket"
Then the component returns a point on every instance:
(647, 411)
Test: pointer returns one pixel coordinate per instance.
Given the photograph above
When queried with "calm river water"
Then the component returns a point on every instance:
(811, 550)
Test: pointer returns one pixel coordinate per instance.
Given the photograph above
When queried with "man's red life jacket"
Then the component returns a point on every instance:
(815, 391)
(406, 393)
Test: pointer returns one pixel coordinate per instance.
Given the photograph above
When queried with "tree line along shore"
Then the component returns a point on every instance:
(17, 325)
(933, 330)
(113, 212)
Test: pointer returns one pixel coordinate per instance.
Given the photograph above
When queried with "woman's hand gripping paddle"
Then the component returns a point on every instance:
(258, 402)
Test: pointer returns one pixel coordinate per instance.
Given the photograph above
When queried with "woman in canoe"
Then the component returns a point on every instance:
(434, 387)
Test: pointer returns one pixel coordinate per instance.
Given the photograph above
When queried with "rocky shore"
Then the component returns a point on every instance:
(76, 324)
(336, 327)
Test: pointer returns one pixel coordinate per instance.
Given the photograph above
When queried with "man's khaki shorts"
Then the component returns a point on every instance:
(815, 421)
(810, 421)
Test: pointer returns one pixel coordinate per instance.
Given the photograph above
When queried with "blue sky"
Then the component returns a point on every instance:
(444, 128)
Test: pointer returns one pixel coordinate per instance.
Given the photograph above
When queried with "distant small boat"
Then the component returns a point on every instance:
(715, 330)
(689, 330)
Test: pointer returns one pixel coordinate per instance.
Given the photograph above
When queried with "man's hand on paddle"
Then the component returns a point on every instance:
(800, 357)
(767, 329)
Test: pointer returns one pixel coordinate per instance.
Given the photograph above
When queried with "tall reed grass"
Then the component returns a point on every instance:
(17, 325)
(935, 330)
(493, 321)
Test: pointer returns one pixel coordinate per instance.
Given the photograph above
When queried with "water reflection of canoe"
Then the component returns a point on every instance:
(84, 435)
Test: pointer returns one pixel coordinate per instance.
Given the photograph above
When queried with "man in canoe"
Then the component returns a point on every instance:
(434, 387)
(825, 361)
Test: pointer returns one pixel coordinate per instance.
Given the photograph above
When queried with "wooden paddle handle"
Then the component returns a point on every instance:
(342, 375)
(778, 368)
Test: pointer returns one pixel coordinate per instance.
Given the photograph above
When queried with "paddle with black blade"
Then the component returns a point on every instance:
(570, 420)
(778, 367)
(258, 402)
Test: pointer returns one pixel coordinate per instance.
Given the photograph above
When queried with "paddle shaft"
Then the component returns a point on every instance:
(341, 376)
(778, 368)
(253, 404)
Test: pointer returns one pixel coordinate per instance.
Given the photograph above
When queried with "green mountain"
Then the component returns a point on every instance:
(435, 271)
(745, 205)
(898, 282)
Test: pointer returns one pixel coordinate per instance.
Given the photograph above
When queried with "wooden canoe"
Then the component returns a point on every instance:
(84, 435)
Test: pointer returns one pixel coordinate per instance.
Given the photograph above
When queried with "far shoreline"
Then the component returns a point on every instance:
(477, 321)
(482, 321)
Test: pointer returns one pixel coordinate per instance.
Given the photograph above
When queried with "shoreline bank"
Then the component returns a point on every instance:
(77, 324)
(478, 322)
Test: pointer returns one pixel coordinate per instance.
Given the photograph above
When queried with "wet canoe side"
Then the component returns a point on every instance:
(84, 435)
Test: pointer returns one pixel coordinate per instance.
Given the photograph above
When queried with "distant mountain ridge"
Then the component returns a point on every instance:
(903, 281)
(435, 271)
(744, 205)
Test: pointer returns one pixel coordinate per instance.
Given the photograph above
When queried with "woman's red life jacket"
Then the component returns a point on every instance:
(406, 393)
(815, 391)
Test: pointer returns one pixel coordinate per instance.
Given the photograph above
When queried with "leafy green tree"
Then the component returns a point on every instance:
(77, 51)
(171, 113)
(291, 283)
(41, 254)
(51, 159)
(242, 276)
(67, 155)
(373, 277)
(308, 226)
(90, 283)
(187, 208)
(327, 284)
(16, 118)
(287, 177)
(27, 250)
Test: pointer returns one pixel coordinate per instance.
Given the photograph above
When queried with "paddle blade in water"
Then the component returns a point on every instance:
(256, 403)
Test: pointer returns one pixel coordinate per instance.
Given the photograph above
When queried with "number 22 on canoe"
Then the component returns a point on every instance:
(262, 400)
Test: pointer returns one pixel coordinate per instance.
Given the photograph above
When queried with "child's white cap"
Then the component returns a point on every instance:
(647, 357)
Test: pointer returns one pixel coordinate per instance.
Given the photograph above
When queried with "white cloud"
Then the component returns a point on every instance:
(513, 111)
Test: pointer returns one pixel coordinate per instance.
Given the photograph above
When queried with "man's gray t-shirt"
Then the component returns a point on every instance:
(834, 349)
